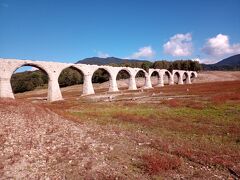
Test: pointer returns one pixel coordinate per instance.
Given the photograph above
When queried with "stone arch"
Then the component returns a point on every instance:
(126, 76)
(106, 77)
(154, 71)
(154, 77)
(77, 77)
(176, 77)
(38, 67)
(125, 69)
(185, 77)
(193, 75)
(167, 76)
(32, 64)
(140, 81)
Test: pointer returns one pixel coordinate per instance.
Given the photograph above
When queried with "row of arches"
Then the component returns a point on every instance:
(134, 77)
(72, 76)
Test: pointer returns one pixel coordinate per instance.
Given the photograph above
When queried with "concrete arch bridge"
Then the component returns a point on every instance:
(54, 69)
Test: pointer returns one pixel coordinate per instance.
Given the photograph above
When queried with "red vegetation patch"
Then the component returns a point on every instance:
(222, 98)
(211, 157)
(173, 103)
(204, 154)
(5, 102)
(156, 163)
(133, 118)
(195, 105)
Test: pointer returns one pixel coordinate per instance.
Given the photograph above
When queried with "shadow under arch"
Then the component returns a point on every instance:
(140, 78)
(29, 80)
(123, 79)
(166, 77)
(192, 76)
(176, 77)
(101, 79)
(70, 76)
(155, 78)
(185, 78)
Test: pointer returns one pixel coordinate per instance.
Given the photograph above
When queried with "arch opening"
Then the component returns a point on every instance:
(70, 76)
(29, 77)
(140, 79)
(101, 80)
(192, 76)
(166, 78)
(123, 77)
(176, 77)
(154, 78)
(185, 76)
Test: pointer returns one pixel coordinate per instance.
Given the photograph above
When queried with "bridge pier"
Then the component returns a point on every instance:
(132, 83)
(180, 80)
(54, 92)
(160, 81)
(87, 85)
(171, 80)
(113, 82)
(148, 83)
(6, 88)
(188, 80)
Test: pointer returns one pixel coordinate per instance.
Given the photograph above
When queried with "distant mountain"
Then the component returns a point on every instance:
(230, 63)
(108, 60)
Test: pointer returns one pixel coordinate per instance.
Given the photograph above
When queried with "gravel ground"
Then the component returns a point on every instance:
(35, 143)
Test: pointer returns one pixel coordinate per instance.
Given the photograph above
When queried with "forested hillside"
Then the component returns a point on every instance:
(229, 64)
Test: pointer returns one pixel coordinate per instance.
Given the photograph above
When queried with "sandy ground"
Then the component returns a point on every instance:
(214, 76)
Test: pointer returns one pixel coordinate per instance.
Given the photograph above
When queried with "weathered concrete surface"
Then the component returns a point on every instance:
(54, 69)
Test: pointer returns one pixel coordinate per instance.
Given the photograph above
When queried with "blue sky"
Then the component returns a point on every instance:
(67, 31)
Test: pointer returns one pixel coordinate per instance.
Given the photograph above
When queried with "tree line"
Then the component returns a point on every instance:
(187, 65)
(30, 80)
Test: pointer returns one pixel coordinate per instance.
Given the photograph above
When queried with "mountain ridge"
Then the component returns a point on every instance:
(107, 60)
(230, 63)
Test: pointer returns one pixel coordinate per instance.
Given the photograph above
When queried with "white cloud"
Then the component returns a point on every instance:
(179, 45)
(197, 59)
(220, 47)
(102, 54)
(207, 59)
(204, 60)
(145, 52)
(33, 69)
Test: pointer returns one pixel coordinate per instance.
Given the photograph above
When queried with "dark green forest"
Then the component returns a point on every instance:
(30, 80)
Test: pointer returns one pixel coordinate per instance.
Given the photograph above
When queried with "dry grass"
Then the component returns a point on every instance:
(154, 164)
